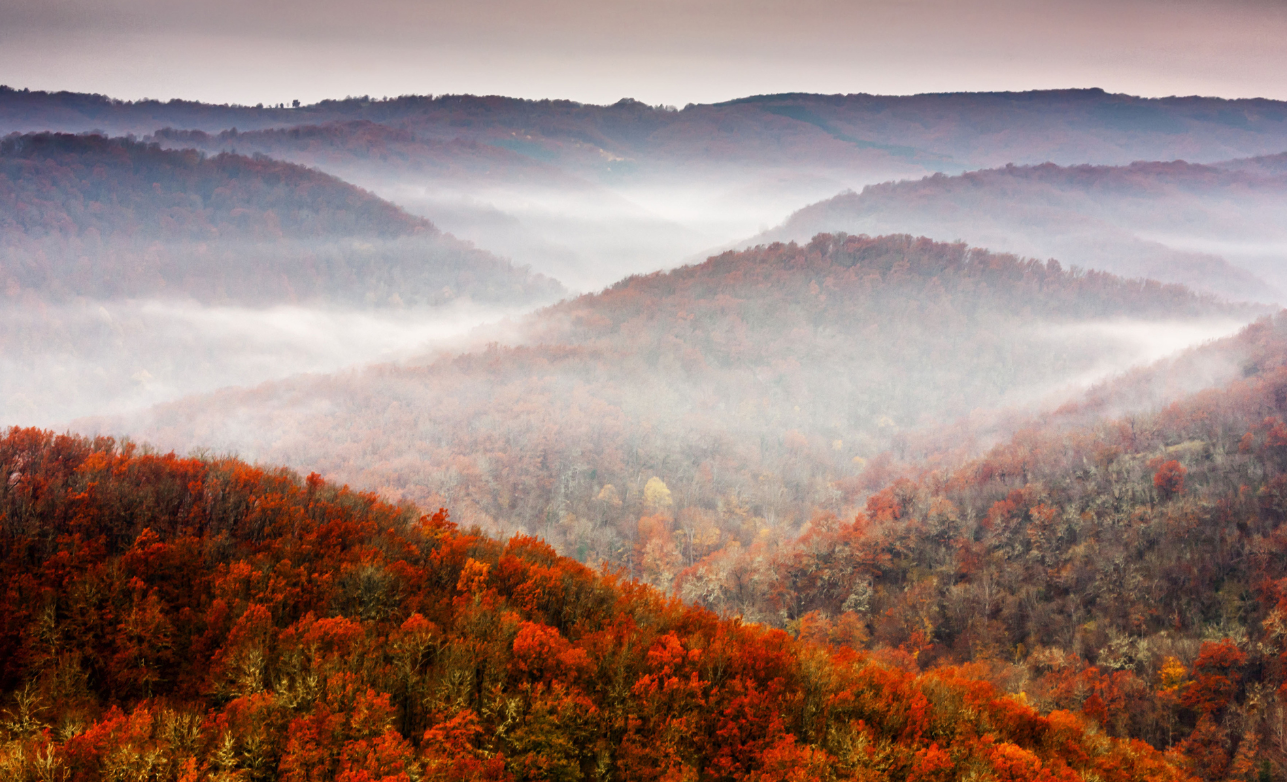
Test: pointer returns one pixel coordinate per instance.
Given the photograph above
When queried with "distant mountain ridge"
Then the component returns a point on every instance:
(949, 130)
(1268, 165)
(1136, 220)
(131, 273)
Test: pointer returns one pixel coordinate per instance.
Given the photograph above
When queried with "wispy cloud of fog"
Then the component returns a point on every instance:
(1123, 344)
(62, 362)
(591, 237)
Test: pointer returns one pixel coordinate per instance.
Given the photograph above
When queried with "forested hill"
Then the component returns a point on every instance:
(714, 406)
(1179, 222)
(170, 618)
(1133, 569)
(860, 265)
(89, 216)
(73, 186)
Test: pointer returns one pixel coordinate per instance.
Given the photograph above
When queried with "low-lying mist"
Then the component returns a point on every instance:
(1126, 343)
(589, 236)
(63, 361)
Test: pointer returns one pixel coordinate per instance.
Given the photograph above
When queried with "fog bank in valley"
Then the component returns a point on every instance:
(590, 237)
(64, 361)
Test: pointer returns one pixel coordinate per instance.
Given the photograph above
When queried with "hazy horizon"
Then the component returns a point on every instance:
(673, 54)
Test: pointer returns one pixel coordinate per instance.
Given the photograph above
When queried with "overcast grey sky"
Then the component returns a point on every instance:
(659, 51)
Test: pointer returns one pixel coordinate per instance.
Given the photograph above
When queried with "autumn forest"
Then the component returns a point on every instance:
(796, 437)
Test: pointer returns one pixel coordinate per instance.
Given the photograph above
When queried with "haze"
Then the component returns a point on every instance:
(937, 348)
(669, 52)
(112, 358)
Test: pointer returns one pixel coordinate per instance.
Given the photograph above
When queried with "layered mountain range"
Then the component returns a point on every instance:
(588, 193)
(968, 469)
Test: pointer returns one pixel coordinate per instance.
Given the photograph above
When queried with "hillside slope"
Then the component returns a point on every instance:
(112, 218)
(1132, 568)
(78, 185)
(1177, 222)
(677, 413)
(186, 619)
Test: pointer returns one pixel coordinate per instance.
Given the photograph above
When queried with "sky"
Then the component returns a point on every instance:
(669, 52)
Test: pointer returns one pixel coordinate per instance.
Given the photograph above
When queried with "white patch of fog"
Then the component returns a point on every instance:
(63, 362)
(328, 336)
(1219, 246)
(1122, 344)
(729, 207)
(585, 240)
(591, 236)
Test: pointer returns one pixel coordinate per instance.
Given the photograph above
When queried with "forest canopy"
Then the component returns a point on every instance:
(200, 618)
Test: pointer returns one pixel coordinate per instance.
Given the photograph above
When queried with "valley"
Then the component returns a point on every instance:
(453, 437)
